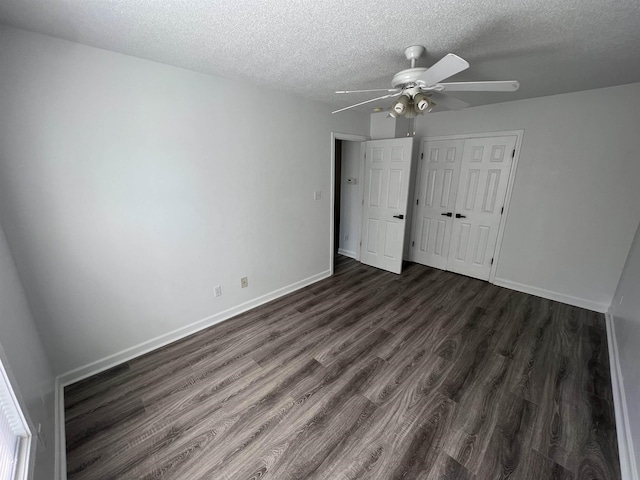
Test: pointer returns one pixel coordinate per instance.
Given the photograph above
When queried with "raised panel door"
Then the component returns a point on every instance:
(387, 170)
(484, 176)
(435, 198)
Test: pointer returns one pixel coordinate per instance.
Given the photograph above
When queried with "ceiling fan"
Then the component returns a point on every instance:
(418, 89)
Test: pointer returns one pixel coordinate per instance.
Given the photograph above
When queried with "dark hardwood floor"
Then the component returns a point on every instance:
(365, 375)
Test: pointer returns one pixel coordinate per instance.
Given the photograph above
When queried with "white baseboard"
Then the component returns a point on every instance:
(59, 449)
(110, 361)
(346, 253)
(558, 297)
(628, 467)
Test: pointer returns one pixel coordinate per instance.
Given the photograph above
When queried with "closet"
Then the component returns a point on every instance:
(459, 201)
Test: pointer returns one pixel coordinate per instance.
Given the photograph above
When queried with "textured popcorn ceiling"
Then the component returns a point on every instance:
(314, 47)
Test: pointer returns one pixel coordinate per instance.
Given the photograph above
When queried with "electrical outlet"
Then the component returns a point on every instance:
(346, 238)
(218, 290)
(244, 282)
(317, 195)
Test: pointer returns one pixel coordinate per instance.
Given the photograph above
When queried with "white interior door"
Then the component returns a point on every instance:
(386, 186)
(484, 176)
(435, 201)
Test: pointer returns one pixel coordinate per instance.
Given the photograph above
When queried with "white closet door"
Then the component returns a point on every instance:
(435, 200)
(484, 176)
(386, 186)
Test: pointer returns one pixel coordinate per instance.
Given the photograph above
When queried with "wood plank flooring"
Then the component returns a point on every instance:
(365, 375)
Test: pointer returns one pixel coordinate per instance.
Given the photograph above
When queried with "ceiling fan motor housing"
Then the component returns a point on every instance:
(407, 78)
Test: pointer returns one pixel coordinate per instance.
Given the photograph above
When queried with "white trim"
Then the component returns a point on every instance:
(363, 151)
(60, 465)
(347, 253)
(628, 467)
(551, 295)
(332, 184)
(462, 136)
(110, 361)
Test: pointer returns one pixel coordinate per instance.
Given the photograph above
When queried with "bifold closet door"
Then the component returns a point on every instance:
(436, 190)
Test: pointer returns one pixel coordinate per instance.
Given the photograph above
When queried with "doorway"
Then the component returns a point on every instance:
(347, 206)
(346, 195)
(370, 179)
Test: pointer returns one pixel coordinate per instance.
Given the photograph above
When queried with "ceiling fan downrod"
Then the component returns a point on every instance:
(413, 53)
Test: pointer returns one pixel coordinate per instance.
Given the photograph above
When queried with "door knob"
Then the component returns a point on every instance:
(399, 216)
(460, 216)
(448, 214)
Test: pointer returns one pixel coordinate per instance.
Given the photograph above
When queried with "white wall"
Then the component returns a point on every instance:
(625, 310)
(576, 201)
(23, 356)
(350, 199)
(129, 189)
(382, 126)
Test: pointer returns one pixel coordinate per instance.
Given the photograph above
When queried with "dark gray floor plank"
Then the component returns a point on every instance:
(509, 447)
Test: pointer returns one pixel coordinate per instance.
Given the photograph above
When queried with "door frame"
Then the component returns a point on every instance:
(519, 134)
(332, 189)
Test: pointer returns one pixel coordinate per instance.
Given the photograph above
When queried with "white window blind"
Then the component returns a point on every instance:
(13, 433)
(8, 448)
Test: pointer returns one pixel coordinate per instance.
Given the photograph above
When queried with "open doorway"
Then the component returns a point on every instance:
(346, 211)
(348, 214)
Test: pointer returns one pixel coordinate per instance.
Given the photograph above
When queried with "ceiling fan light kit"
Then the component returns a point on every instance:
(401, 104)
(422, 102)
(418, 89)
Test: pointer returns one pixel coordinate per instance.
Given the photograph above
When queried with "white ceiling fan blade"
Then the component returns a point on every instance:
(368, 101)
(448, 102)
(372, 90)
(447, 66)
(498, 86)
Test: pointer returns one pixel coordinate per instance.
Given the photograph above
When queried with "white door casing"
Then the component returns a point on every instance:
(484, 177)
(435, 201)
(386, 186)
